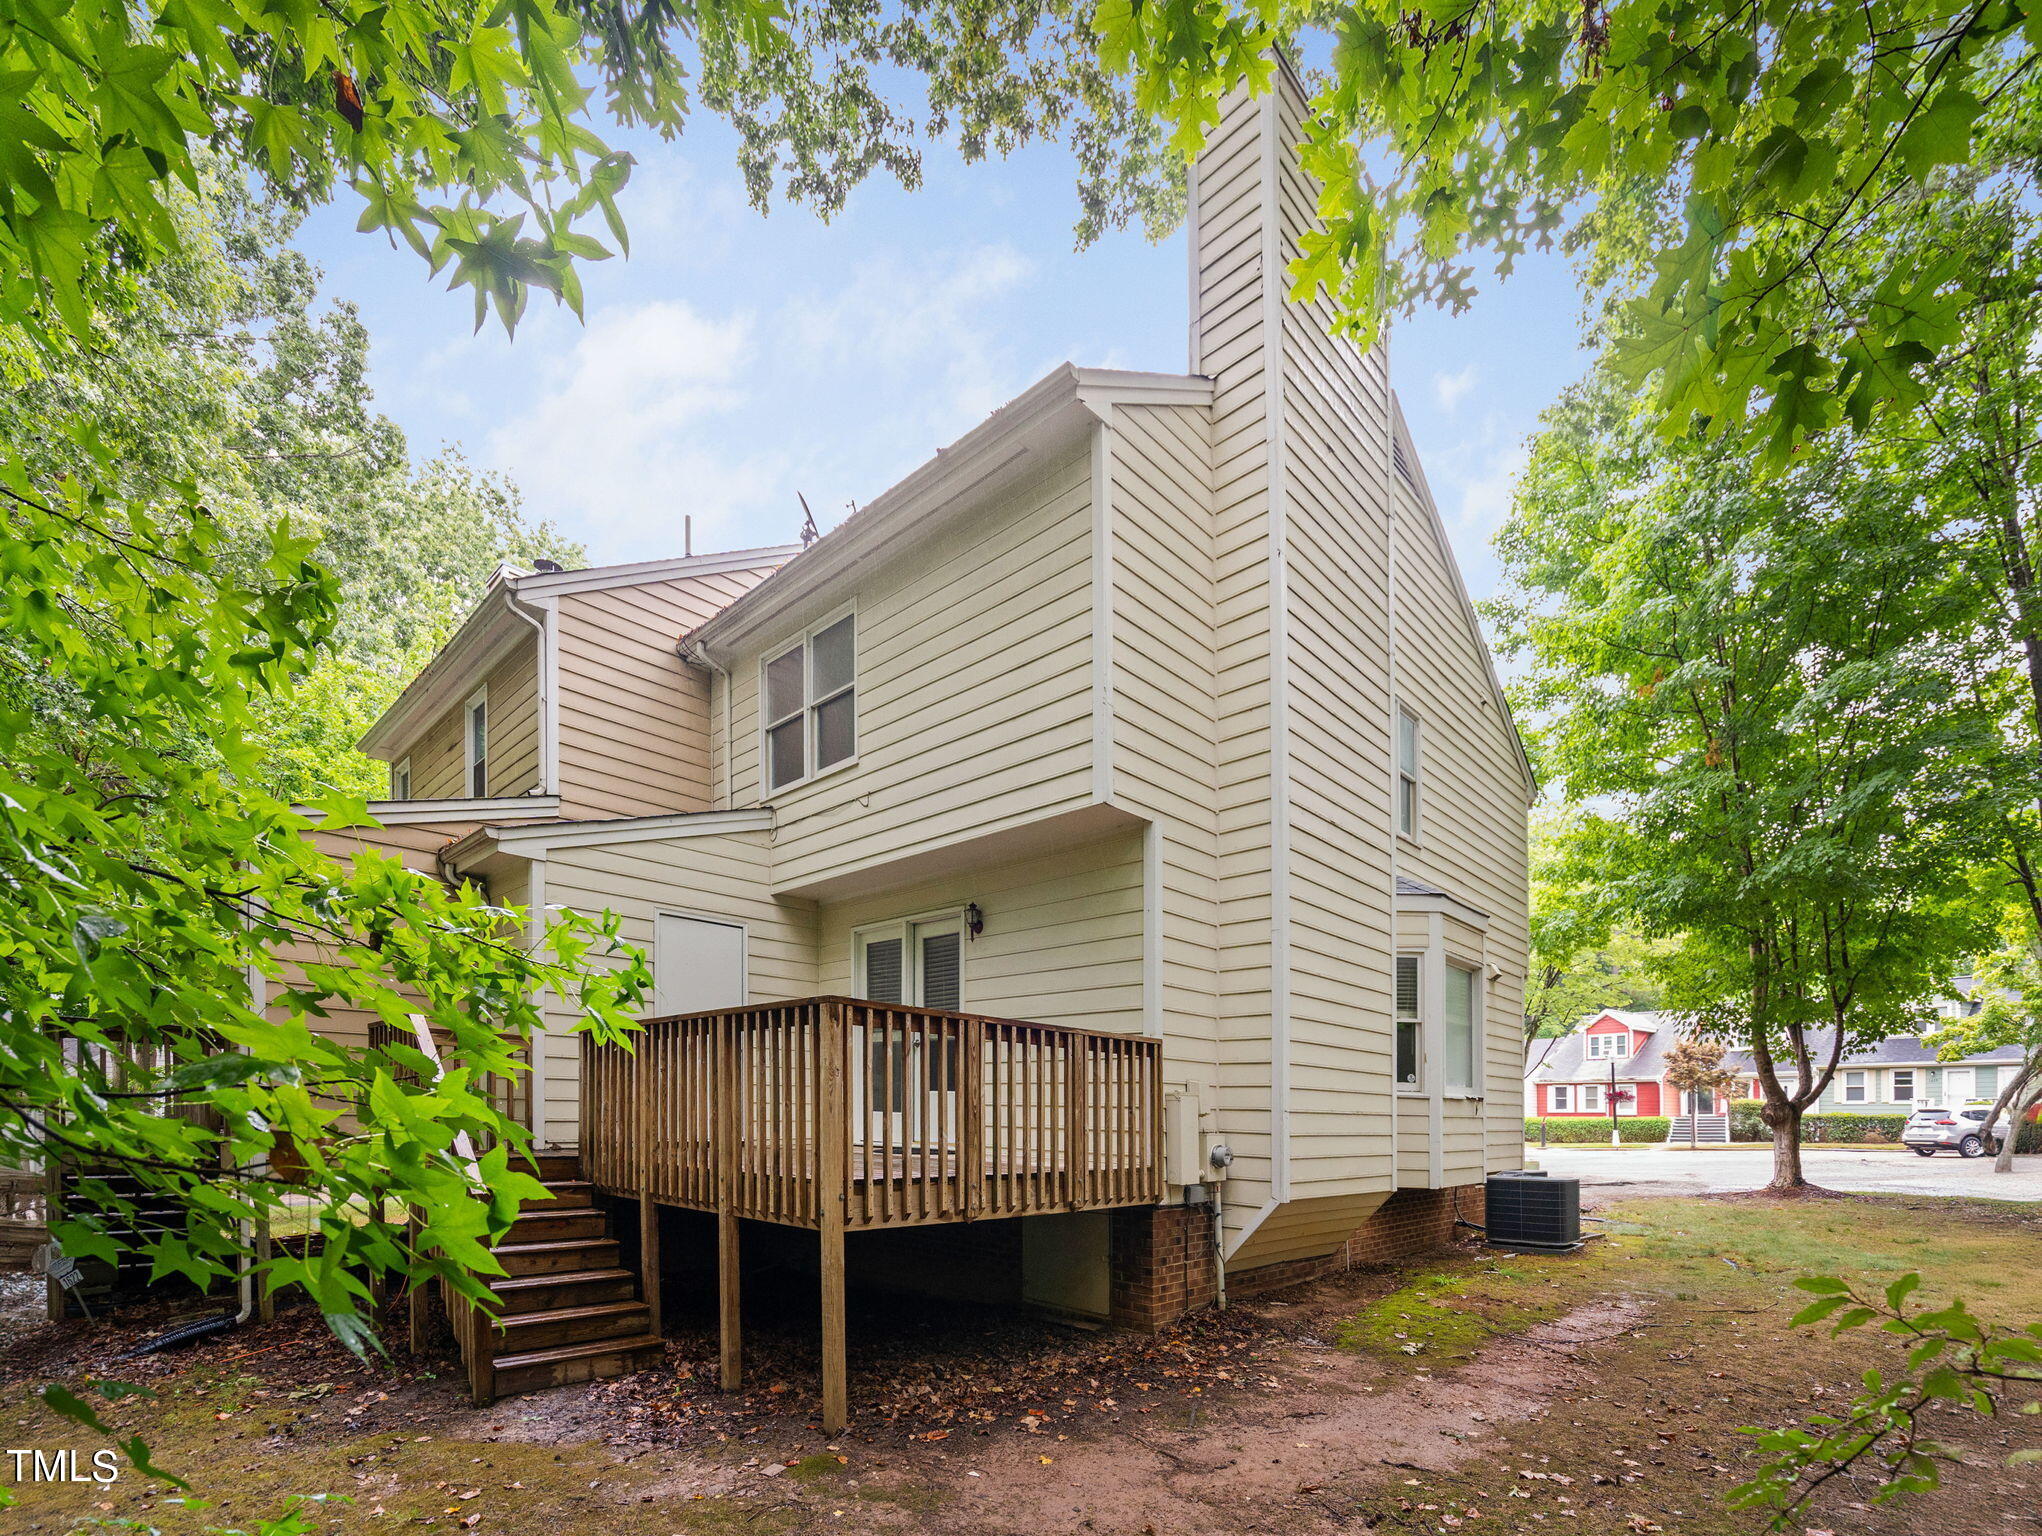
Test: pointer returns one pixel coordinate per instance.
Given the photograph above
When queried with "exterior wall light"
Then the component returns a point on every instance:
(974, 919)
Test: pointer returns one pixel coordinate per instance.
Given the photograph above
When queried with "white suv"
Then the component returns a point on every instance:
(1961, 1130)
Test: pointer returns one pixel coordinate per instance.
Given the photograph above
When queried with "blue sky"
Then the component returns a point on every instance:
(737, 359)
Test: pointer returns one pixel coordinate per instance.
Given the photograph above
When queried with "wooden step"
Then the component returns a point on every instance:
(557, 1258)
(562, 1193)
(546, 1225)
(533, 1369)
(527, 1331)
(550, 1165)
(576, 1288)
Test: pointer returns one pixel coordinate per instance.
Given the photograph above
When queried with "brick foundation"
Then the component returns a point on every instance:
(1162, 1255)
(1162, 1262)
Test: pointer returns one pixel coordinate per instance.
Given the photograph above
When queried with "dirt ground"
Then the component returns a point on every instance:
(1468, 1392)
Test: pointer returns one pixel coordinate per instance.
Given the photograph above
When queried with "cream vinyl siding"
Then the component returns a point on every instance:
(634, 718)
(1165, 761)
(1336, 446)
(1062, 941)
(1475, 794)
(1231, 198)
(724, 875)
(438, 757)
(973, 678)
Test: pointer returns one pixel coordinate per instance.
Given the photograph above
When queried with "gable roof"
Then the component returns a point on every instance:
(1405, 465)
(1566, 1060)
(1894, 1051)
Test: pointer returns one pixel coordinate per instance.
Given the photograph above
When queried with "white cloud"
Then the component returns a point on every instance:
(625, 439)
(1452, 388)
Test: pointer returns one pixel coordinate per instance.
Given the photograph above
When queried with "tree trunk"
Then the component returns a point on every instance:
(2017, 1116)
(1787, 1149)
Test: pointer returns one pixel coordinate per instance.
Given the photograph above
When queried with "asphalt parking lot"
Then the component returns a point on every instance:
(1669, 1171)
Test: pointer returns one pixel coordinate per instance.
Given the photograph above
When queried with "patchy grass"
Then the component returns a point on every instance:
(1599, 1394)
(1445, 1318)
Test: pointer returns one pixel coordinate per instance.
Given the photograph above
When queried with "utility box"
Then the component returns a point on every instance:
(1533, 1211)
(1183, 1144)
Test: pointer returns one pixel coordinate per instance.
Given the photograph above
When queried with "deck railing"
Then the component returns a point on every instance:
(909, 1116)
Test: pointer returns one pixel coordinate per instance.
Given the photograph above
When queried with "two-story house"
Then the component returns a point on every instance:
(1094, 872)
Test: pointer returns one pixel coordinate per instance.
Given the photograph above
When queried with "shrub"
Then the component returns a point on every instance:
(1849, 1125)
(1595, 1128)
(1745, 1124)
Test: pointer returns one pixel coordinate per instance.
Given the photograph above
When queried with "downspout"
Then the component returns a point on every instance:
(548, 726)
(696, 654)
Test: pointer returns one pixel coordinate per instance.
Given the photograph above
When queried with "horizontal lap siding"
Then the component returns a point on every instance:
(1062, 941)
(1472, 817)
(1336, 454)
(1166, 706)
(1232, 201)
(439, 756)
(722, 876)
(634, 718)
(974, 690)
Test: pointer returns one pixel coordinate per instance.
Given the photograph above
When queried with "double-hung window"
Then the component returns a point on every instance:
(400, 779)
(1591, 1097)
(1903, 1086)
(1854, 1087)
(1407, 773)
(1560, 1098)
(811, 704)
(1409, 1027)
(475, 745)
(1463, 1022)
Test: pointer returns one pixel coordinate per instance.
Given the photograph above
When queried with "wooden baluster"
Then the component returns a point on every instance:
(731, 1356)
(648, 1158)
(1079, 1134)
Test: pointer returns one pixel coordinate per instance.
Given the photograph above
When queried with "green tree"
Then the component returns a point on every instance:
(1731, 176)
(1583, 959)
(1746, 677)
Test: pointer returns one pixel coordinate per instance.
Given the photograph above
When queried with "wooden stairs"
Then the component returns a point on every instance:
(569, 1311)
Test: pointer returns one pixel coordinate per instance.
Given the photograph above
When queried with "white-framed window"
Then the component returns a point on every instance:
(1560, 1098)
(1903, 1086)
(1591, 1097)
(1854, 1090)
(1463, 1030)
(475, 744)
(1609, 1047)
(1407, 773)
(400, 779)
(809, 704)
(1410, 1027)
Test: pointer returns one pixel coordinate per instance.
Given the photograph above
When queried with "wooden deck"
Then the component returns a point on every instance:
(840, 1115)
(895, 1116)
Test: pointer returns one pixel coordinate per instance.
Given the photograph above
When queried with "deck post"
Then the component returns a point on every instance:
(729, 1302)
(419, 1302)
(648, 1211)
(833, 1131)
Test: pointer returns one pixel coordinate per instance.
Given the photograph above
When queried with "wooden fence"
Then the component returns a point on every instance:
(906, 1116)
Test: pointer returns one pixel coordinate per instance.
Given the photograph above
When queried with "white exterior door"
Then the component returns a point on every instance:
(697, 964)
(920, 964)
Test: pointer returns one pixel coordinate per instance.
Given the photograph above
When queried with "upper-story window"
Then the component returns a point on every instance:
(1407, 773)
(811, 704)
(400, 779)
(1609, 1047)
(475, 745)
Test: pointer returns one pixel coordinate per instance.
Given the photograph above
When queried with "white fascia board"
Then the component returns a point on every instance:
(1049, 416)
(481, 641)
(596, 578)
(404, 813)
(539, 840)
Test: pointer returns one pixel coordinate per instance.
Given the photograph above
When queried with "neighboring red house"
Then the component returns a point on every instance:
(1573, 1074)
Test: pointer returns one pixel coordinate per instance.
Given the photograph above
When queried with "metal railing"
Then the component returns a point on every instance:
(901, 1116)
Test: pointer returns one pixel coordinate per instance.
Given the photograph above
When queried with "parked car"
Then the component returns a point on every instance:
(1961, 1130)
